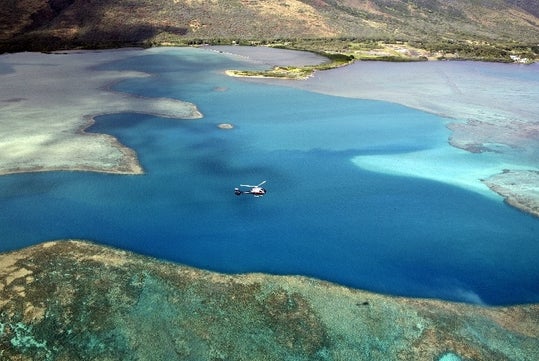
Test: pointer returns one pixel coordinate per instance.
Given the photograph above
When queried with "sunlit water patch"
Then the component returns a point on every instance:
(323, 215)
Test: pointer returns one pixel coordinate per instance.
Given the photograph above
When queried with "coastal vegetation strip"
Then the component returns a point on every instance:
(386, 49)
(343, 51)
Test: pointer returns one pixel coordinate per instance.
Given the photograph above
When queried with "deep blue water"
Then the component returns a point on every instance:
(323, 216)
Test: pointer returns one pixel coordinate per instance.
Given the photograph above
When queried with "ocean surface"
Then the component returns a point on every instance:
(325, 215)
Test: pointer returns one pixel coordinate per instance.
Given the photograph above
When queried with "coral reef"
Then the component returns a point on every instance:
(70, 300)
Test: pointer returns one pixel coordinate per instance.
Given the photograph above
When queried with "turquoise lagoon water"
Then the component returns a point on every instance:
(323, 215)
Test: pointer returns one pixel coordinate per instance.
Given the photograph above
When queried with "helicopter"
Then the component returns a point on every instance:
(256, 191)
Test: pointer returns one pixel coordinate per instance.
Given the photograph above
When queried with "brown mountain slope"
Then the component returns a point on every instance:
(54, 24)
(493, 20)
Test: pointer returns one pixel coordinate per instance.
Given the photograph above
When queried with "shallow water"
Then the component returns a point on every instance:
(323, 216)
(491, 93)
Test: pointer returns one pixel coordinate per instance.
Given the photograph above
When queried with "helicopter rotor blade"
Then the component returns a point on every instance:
(249, 185)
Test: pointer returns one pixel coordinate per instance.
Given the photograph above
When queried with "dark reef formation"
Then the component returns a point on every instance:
(72, 300)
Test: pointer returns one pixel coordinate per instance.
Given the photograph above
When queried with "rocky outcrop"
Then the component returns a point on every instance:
(71, 300)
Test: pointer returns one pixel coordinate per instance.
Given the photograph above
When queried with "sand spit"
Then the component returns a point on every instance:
(48, 100)
(77, 300)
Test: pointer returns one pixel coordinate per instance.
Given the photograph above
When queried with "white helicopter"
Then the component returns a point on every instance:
(256, 191)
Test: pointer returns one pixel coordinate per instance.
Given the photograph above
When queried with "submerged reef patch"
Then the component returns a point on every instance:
(225, 126)
(42, 127)
(102, 303)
